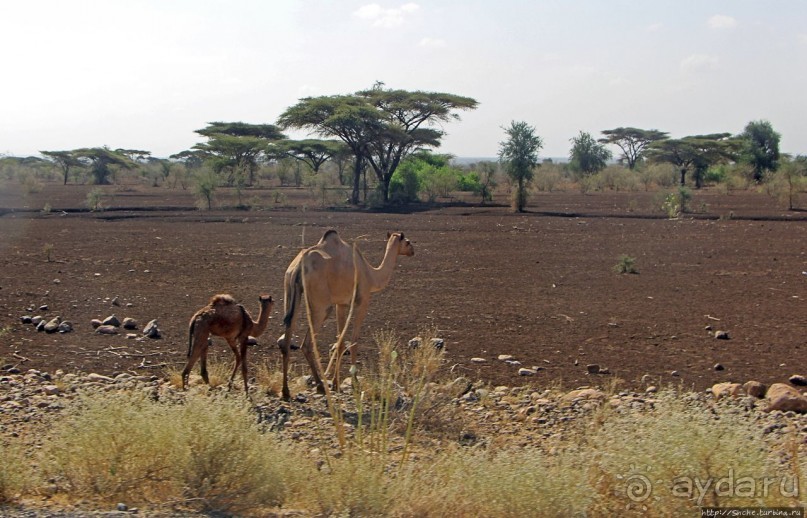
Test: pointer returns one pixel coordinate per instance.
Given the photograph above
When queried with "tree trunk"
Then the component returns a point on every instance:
(354, 196)
(683, 176)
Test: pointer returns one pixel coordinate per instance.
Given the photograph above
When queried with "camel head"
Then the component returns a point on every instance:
(404, 245)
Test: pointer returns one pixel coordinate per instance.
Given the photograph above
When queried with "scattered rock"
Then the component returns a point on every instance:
(755, 388)
(798, 380)
(438, 343)
(587, 393)
(151, 330)
(459, 387)
(26, 319)
(130, 323)
(722, 335)
(593, 368)
(675, 374)
(115, 302)
(505, 357)
(415, 342)
(37, 319)
(652, 389)
(785, 399)
(719, 367)
(43, 307)
(95, 323)
(478, 360)
(53, 325)
(65, 327)
(111, 320)
(720, 390)
(526, 372)
(93, 376)
(106, 330)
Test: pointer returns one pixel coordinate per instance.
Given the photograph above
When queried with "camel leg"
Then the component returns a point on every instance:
(199, 350)
(359, 312)
(233, 343)
(243, 343)
(341, 319)
(205, 377)
(284, 351)
(318, 316)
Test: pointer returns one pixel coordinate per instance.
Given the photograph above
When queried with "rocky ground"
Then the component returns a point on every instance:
(461, 412)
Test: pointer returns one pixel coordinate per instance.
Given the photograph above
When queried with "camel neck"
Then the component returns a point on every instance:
(379, 277)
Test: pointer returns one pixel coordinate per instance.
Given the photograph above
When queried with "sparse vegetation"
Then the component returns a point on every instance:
(208, 454)
(94, 199)
(626, 264)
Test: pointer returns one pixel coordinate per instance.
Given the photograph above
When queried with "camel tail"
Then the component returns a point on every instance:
(190, 336)
(293, 294)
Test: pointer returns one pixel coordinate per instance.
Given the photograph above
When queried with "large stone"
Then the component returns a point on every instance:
(755, 389)
(785, 399)
(727, 390)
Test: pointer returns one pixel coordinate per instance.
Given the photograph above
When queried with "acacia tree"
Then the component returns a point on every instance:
(65, 160)
(101, 159)
(587, 156)
(346, 117)
(761, 147)
(409, 123)
(312, 152)
(697, 152)
(632, 142)
(236, 146)
(380, 126)
(519, 157)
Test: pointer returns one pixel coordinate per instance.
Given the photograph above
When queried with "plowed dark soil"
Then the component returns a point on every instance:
(540, 286)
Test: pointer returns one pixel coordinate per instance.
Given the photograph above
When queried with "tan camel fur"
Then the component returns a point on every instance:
(225, 318)
(331, 275)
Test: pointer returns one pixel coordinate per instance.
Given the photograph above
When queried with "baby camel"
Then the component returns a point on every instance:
(225, 318)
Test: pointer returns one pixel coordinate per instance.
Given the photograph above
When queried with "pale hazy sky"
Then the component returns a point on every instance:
(141, 74)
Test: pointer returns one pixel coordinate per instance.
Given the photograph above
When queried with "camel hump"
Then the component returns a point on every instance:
(221, 299)
(329, 234)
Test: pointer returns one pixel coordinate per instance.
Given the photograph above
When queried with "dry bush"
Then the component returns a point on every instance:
(650, 463)
(206, 455)
(16, 475)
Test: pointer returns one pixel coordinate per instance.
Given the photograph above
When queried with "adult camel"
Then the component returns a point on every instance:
(330, 273)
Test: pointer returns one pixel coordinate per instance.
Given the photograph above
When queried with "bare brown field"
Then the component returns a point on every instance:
(539, 286)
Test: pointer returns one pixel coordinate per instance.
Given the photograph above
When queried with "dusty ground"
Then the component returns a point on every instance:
(539, 286)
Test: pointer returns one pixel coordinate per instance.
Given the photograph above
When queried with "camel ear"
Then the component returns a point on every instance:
(402, 237)
(389, 235)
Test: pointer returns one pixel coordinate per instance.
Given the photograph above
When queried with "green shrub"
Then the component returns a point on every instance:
(626, 264)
